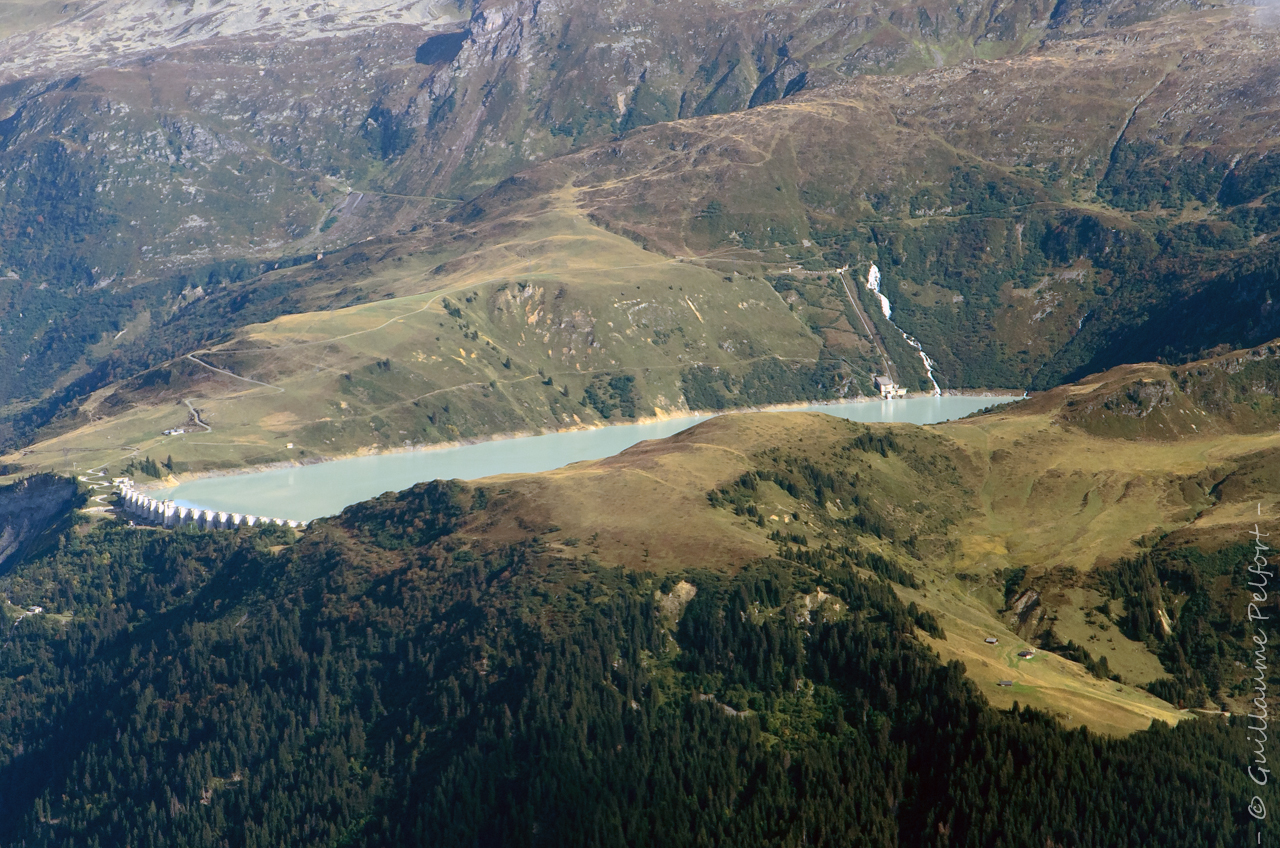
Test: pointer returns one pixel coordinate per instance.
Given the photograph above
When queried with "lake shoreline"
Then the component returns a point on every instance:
(695, 417)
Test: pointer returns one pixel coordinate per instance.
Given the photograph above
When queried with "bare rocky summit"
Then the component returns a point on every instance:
(63, 37)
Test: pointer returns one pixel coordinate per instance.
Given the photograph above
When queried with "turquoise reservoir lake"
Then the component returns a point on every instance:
(310, 491)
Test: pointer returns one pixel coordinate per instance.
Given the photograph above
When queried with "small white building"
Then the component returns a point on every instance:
(887, 388)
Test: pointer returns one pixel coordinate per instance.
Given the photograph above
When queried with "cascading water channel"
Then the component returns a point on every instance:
(873, 285)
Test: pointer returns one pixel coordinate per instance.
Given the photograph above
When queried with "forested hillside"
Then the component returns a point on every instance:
(385, 680)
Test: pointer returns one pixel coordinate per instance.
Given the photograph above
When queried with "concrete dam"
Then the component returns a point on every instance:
(145, 508)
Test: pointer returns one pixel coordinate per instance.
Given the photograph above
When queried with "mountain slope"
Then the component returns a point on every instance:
(986, 214)
(1048, 501)
(546, 325)
(993, 197)
(238, 102)
(183, 176)
(395, 676)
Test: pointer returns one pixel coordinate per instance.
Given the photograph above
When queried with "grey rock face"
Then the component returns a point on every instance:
(28, 508)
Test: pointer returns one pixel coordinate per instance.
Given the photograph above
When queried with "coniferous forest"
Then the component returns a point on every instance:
(383, 680)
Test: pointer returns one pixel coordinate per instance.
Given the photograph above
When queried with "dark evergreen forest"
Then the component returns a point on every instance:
(386, 680)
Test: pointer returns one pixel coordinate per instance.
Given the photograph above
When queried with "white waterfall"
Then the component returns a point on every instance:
(873, 285)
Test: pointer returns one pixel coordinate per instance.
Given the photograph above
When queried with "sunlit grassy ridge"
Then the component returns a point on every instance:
(960, 507)
(529, 329)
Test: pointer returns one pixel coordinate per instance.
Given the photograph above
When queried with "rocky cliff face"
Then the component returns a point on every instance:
(29, 508)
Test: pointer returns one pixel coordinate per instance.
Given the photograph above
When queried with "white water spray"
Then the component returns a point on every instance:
(873, 285)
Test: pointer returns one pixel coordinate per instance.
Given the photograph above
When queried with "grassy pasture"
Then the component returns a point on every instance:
(647, 508)
(504, 336)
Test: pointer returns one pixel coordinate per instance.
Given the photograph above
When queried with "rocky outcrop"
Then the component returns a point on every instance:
(28, 509)
(788, 78)
(1233, 392)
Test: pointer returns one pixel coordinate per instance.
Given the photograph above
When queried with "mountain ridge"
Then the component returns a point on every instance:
(1022, 239)
(421, 635)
